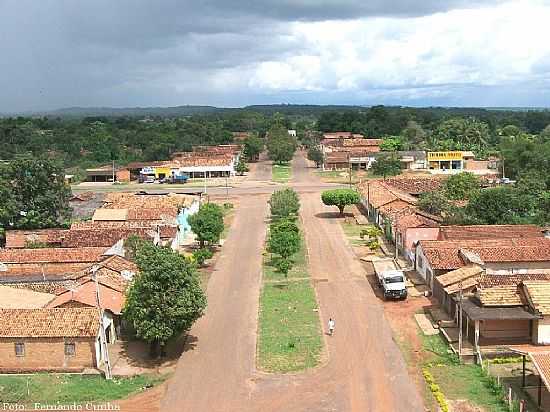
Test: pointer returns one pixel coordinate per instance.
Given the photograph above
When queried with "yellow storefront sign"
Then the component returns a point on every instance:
(162, 171)
(444, 156)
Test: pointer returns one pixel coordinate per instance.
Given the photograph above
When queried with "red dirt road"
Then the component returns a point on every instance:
(364, 369)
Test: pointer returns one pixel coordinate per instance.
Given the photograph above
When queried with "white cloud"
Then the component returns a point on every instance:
(492, 46)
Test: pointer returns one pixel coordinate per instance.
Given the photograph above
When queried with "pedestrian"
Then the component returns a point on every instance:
(331, 326)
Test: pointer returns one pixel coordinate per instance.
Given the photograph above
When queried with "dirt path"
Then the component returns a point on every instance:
(364, 370)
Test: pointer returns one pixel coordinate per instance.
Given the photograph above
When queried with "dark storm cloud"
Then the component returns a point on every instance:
(121, 52)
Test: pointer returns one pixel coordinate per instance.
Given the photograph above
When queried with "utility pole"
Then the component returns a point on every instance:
(502, 161)
(460, 321)
(113, 170)
(226, 189)
(350, 170)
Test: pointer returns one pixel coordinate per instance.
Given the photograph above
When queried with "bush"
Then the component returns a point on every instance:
(284, 203)
(202, 255)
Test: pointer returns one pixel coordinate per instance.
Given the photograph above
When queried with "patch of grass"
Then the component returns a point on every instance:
(353, 232)
(290, 335)
(289, 328)
(461, 381)
(299, 269)
(51, 388)
(281, 173)
(341, 176)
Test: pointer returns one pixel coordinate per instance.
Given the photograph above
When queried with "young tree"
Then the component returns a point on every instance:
(315, 155)
(207, 223)
(386, 165)
(253, 146)
(340, 198)
(34, 194)
(284, 203)
(202, 255)
(241, 167)
(284, 243)
(165, 298)
(461, 186)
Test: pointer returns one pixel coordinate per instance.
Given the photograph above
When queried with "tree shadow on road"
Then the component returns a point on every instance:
(333, 215)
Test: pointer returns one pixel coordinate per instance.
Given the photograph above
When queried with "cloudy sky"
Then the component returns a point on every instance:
(60, 53)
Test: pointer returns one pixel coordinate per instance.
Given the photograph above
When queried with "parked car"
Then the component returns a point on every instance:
(390, 279)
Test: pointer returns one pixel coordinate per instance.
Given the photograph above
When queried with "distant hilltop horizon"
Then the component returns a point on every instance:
(189, 110)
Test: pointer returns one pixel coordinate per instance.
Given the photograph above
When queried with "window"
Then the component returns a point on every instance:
(70, 349)
(19, 349)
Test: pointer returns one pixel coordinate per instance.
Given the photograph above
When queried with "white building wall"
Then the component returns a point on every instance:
(541, 331)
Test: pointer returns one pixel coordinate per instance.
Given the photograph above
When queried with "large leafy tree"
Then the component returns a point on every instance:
(253, 146)
(34, 194)
(165, 298)
(500, 205)
(207, 223)
(466, 133)
(280, 145)
(387, 165)
(461, 186)
(284, 203)
(340, 198)
(284, 240)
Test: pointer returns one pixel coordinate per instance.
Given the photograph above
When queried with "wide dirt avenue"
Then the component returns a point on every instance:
(362, 367)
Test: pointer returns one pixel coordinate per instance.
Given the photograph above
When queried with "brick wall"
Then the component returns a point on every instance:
(123, 175)
(46, 354)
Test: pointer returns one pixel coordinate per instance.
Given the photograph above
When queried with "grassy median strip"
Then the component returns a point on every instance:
(281, 173)
(289, 329)
(51, 388)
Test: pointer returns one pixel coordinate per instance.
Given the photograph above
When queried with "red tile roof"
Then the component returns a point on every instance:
(415, 185)
(85, 294)
(446, 255)
(489, 231)
(42, 323)
(21, 238)
(52, 255)
(107, 237)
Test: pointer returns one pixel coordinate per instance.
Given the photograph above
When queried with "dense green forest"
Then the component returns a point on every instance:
(152, 134)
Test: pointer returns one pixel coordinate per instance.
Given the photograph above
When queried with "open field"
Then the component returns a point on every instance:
(52, 388)
(281, 173)
(289, 330)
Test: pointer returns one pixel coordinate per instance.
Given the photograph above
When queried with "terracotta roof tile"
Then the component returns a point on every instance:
(416, 185)
(52, 255)
(39, 323)
(21, 238)
(538, 295)
(85, 294)
(107, 237)
(489, 231)
(443, 254)
(506, 295)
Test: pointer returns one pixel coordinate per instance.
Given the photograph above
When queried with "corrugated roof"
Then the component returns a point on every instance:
(42, 323)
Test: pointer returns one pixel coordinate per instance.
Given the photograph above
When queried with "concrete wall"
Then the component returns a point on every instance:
(46, 354)
(541, 332)
(414, 234)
